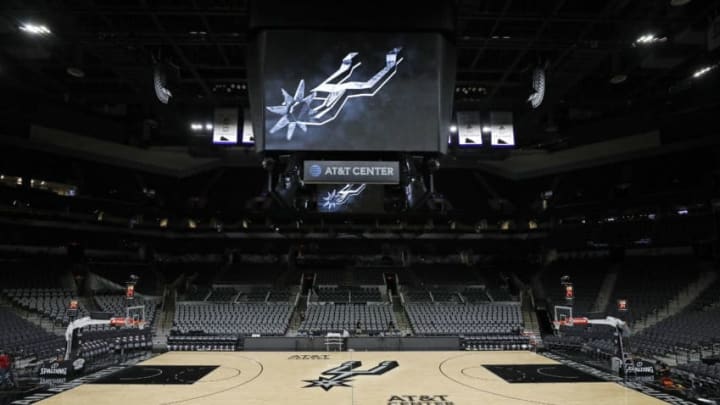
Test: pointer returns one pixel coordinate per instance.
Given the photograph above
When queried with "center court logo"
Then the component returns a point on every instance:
(343, 374)
(315, 170)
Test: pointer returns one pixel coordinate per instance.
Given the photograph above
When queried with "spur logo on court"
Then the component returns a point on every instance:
(419, 400)
(309, 357)
(343, 374)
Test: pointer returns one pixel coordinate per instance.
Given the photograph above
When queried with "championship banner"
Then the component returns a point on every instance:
(469, 128)
(225, 127)
(501, 129)
(344, 172)
(248, 136)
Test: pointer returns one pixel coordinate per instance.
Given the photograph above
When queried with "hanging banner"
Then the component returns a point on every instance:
(225, 127)
(469, 128)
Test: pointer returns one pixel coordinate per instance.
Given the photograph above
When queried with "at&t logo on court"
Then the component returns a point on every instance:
(419, 400)
(309, 357)
(343, 374)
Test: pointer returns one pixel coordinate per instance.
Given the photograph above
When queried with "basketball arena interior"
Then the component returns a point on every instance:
(470, 202)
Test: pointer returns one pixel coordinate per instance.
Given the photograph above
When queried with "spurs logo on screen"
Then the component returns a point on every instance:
(336, 198)
(326, 101)
(343, 374)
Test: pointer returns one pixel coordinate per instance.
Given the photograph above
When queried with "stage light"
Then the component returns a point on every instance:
(702, 71)
(34, 29)
(682, 211)
(453, 128)
(196, 127)
(208, 126)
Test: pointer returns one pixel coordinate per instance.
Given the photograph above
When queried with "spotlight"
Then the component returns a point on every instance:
(268, 163)
(75, 71)
(34, 29)
(618, 78)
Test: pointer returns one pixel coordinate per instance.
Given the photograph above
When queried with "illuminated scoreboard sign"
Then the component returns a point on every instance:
(355, 172)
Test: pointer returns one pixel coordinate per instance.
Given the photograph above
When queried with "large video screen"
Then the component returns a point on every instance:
(323, 91)
(350, 198)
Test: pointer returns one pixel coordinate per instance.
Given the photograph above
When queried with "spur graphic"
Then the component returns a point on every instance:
(325, 102)
(337, 198)
(343, 374)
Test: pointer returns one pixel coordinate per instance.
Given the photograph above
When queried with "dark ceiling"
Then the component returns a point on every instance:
(583, 43)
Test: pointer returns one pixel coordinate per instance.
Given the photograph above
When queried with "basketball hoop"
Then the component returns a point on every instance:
(571, 322)
(127, 322)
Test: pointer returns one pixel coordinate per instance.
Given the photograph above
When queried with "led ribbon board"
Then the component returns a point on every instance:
(355, 172)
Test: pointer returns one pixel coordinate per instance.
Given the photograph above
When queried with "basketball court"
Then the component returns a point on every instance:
(363, 378)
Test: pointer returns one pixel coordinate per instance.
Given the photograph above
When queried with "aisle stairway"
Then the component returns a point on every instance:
(530, 321)
(164, 321)
(606, 290)
(684, 298)
(33, 317)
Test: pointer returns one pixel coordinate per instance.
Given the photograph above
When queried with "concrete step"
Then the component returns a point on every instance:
(681, 301)
(606, 290)
(403, 323)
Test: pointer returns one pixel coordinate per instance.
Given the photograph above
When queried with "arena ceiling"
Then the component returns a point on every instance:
(583, 44)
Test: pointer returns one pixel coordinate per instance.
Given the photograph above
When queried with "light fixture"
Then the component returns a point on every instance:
(703, 71)
(196, 126)
(208, 126)
(486, 129)
(453, 128)
(618, 78)
(75, 71)
(35, 29)
(650, 39)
